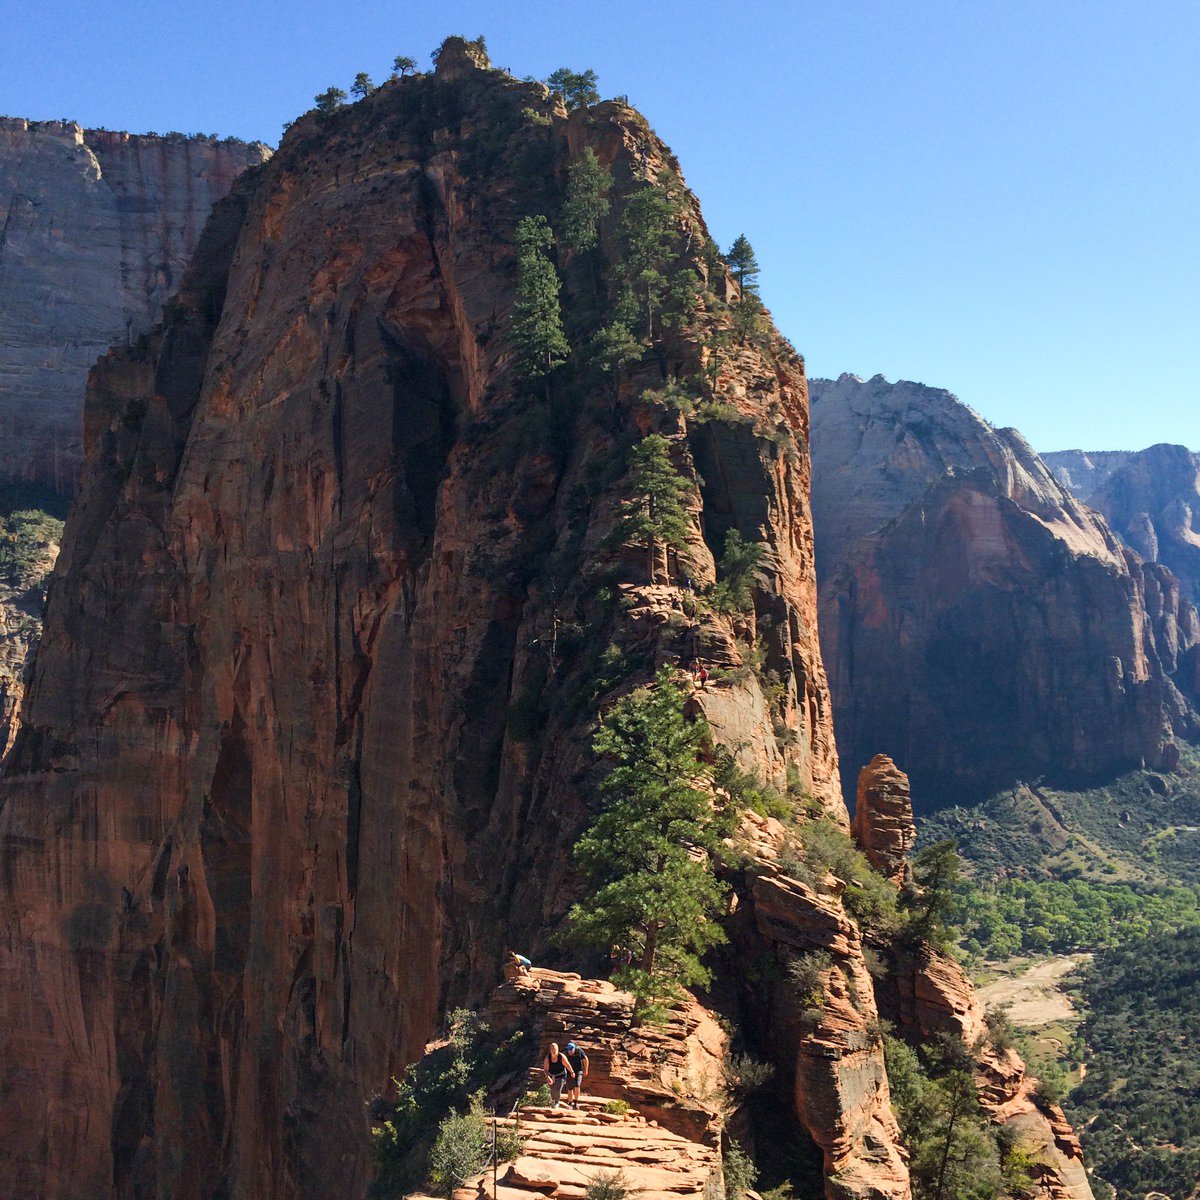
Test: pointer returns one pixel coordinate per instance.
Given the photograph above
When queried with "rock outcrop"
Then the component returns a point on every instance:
(1150, 498)
(96, 228)
(925, 994)
(883, 818)
(979, 624)
(307, 737)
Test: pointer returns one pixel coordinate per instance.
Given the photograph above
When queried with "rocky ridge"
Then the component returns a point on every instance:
(1150, 498)
(96, 230)
(979, 624)
(307, 588)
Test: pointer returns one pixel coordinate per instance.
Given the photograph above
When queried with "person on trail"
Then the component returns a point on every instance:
(702, 677)
(516, 966)
(558, 1072)
(578, 1061)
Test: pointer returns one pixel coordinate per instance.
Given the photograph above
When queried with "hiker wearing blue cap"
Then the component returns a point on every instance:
(579, 1065)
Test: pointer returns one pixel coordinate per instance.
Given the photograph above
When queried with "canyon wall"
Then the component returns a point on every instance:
(96, 228)
(1150, 498)
(306, 742)
(979, 624)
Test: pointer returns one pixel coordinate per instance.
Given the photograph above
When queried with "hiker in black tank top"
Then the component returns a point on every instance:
(558, 1072)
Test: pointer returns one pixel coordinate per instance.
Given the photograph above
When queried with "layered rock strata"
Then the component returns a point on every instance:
(307, 737)
(979, 624)
(96, 228)
(926, 995)
(883, 818)
(1150, 498)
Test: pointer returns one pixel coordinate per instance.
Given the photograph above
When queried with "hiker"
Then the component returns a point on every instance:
(558, 1072)
(578, 1061)
(702, 677)
(516, 966)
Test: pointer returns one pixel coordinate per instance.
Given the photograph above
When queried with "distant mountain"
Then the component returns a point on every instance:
(1150, 498)
(979, 624)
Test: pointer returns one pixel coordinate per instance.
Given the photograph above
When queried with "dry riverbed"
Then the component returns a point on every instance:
(1033, 994)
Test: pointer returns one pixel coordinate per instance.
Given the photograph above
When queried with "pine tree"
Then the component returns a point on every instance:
(735, 591)
(362, 85)
(330, 100)
(586, 205)
(745, 267)
(655, 894)
(655, 513)
(402, 64)
(613, 348)
(936, 871)
(537, 332)
(576, 89)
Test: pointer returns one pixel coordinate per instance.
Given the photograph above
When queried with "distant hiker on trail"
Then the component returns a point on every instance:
(701, 677)
(578, 1061)
(558, 1072)
(516, 966)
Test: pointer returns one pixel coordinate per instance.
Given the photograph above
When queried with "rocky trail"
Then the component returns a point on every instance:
(564, 1150)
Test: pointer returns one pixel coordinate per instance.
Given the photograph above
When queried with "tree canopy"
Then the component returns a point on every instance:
(402, 64)
(576, 89)
(330, 100)
(654, 512)
(586, 203)
(362, 85)
(537, 332)
(744, 264)
(648, 849)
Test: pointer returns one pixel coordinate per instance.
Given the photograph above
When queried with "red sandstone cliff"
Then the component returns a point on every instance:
(978, 623)
(272, 806)
(96, 228)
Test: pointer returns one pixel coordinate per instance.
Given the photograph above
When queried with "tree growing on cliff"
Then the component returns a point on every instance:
(576, 89)
(744, 264)
(649, 850)
(537, 332)
(402, 64)
(330, 100)
(930, 898)
(586, 205)
(362, 86)
(734, 591)
(655, 512)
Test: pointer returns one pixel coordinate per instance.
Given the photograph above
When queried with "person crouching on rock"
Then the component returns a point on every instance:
(558, 1072)
(577, 1060)
(516, 966)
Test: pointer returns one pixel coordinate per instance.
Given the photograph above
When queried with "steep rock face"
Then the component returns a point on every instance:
(831, 1041)
(1151, 498)
(979, 624)
(883, 817)
(278, 797)
(96, 229)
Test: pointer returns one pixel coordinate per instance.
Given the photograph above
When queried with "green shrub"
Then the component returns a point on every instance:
(740, 1171)
(745, 1074)
(462, 1149)
(608, 1186)
(617, 1108)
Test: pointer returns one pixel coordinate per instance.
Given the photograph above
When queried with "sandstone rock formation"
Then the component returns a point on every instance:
(96, 228)
(926, 993)
(306, 741)
(1150, 498)
(978, 623)
(883, 818)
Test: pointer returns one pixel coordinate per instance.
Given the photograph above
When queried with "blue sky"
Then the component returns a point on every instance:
(999, 197)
